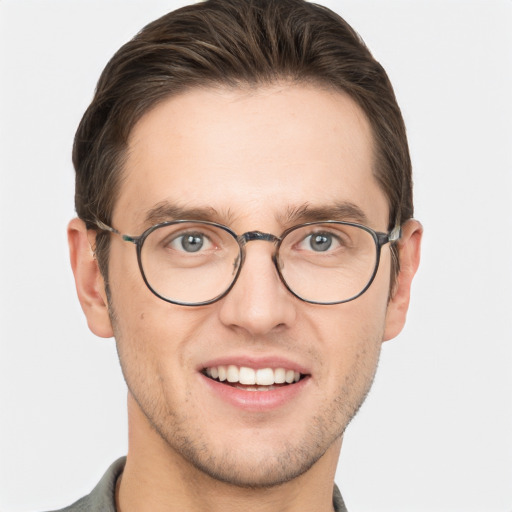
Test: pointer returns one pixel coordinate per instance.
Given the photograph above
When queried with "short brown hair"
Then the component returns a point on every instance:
(234, 43)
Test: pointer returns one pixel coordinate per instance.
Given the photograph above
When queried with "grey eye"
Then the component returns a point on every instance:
(320, 241)
(189, 242)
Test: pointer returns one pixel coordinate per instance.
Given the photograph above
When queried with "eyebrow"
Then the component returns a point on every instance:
(341, 211)
(165, 211)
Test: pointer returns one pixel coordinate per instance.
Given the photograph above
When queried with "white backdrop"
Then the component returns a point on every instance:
(436, 431)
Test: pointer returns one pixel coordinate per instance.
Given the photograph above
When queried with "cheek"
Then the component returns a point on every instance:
(356, 339)
(351, 335)
(156, 340)
(152, 350)
(154, 332)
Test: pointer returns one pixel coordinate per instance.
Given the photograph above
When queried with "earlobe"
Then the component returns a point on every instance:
(409, 248)
(89, 282)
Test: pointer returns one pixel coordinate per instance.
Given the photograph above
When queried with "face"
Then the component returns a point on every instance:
(248, 159)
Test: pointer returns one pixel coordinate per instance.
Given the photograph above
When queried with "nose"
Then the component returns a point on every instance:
(258, 303)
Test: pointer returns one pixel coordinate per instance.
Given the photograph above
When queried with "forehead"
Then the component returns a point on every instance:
(250, 154)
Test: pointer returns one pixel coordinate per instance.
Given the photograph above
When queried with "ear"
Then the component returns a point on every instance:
(409, 247)
(89, 282)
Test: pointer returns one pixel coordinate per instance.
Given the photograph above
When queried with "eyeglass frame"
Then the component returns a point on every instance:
(379, 238)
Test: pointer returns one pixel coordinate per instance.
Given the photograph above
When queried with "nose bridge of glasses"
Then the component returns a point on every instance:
(257, 235)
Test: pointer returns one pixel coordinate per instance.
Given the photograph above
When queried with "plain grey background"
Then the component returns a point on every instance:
(436, 431)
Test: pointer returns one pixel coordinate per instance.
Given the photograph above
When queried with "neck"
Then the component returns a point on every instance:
(157, 478)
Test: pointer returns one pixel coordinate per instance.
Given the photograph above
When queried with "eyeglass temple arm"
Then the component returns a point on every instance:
(106, 227)
(394, 235)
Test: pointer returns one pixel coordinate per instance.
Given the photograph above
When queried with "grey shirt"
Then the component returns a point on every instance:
(103, 496)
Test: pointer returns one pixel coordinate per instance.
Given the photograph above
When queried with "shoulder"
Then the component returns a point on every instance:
(103, 496)
(337, 500)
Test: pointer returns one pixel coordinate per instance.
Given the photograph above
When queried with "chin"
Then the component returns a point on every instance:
(243, 470)
(253, 459)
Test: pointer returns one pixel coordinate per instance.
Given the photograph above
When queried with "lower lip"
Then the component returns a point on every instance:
(256, 401)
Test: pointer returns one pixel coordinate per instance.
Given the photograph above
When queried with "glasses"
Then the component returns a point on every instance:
(194, 263)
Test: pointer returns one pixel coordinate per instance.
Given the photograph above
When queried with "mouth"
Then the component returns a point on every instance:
(253, 379)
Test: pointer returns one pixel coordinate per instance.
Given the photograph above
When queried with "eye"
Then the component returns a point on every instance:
(190, 242)
(319, 242)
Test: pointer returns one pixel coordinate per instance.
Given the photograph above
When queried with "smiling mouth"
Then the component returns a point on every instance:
(250, 379)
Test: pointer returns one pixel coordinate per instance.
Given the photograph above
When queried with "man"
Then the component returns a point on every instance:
(245, 232)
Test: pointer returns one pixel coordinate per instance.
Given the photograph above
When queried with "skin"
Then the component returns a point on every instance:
(253, 156)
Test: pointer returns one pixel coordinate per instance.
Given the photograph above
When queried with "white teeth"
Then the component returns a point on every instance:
(232, 373)
(262, 379)
(280, 376)
(247, 376)
(265, 377)
(256, 388)
(247, 389)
